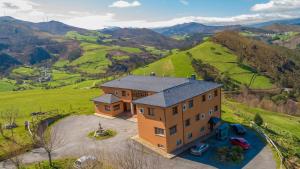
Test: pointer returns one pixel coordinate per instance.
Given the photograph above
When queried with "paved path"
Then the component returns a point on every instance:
(76, 143)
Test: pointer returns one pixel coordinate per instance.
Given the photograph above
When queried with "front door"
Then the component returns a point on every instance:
(126, 107)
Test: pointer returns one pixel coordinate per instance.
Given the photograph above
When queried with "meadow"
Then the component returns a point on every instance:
(176, 65)
(179, 65)
(61, 101)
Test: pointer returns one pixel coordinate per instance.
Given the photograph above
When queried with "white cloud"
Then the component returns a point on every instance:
(277, 5)
(184, 2)
(125, 4)
(30, 11)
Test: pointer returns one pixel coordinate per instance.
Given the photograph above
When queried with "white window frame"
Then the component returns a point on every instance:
(211, 112)
(202, 116)
(184, 107)
(142, 111)
(210, 96)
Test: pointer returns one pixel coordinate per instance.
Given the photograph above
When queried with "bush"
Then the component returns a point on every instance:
(258, 119)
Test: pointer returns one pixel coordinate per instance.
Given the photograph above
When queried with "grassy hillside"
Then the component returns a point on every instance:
(179, 65)
(63, 101)
(175, 65)
(281, 128)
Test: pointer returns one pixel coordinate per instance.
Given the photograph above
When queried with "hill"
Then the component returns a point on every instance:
(146, 37)
(192, 28)
(295, 21)
(275, 62)
(221, 60)
(280, 28)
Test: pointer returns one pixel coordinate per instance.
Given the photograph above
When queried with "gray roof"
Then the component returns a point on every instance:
(178, 94)
(146, 83)
(107, 98)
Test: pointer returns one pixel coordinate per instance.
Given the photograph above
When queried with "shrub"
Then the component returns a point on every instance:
(258, 119)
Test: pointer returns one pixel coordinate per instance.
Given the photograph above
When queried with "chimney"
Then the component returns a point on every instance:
(193, 77)
(152, 74)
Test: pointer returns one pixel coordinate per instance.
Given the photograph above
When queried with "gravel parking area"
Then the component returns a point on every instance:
(76, 143)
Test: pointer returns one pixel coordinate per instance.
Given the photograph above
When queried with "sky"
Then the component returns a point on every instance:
(98, 14)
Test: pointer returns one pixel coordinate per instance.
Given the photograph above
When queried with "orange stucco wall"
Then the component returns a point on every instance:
(100, 109)
(164, 118)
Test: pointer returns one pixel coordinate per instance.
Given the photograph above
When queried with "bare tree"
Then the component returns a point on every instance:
(47, 138)
(135, 157)
(12, 150)
(9, 118)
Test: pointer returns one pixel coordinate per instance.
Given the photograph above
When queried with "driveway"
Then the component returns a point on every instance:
(74, 130)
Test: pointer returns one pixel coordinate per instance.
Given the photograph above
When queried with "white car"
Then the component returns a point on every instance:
(85, 161)
(199, 149)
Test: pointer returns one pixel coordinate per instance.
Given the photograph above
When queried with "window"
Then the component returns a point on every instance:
(202, 116)
(187, 122)
(216, 108)
(216, 93)
(178, 142)
(210, 97)
(117, 107)
(203, 98)
(202, 129)
(190, 135)
(175, 110)
(160, 146)
(173, 130)
(142, 110)
(123, 93)
(197, 117)
(116, 93)
(159, 131)
(184, 107)
(107, 108)
(151, 111)
(191, 104)
(210, 112)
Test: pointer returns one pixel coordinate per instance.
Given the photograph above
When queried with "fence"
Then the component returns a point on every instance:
(270, 141)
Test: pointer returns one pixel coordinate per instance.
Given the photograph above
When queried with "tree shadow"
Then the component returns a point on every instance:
(211, 158)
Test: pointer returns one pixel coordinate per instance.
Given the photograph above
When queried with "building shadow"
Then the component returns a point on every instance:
(211, 158)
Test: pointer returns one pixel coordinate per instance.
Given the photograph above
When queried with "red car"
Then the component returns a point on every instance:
(243, 143)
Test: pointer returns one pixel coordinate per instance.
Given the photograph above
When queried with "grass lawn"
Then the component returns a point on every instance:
(108, 134)
(58, 164)
(66, 100)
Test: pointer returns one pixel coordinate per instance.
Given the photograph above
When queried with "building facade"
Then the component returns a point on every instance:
(171, 112)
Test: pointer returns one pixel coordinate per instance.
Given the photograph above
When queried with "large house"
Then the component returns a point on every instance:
(171, 112)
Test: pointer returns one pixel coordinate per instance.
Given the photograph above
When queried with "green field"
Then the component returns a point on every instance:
(176, 65)
(92, 36)
(25, 72)
(179, 65)
(7, 85)
(156, 51)
(63, 101)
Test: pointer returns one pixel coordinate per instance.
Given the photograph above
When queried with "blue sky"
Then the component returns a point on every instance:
(96, 14)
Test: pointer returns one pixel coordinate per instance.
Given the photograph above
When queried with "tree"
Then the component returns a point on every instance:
(258, 119)
(9, 117)
(135, 157)
(47, 138)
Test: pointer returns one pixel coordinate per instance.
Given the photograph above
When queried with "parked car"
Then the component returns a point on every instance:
(238, 141)
(238, 128)
(85, 161)
(199, 149)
